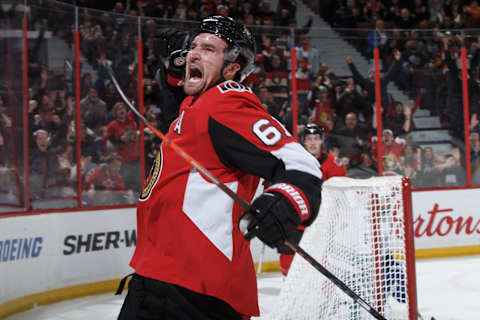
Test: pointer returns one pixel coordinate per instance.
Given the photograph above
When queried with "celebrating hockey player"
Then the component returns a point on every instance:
(191, 260)
(313, 141)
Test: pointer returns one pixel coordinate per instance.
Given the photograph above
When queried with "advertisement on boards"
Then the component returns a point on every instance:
(49, 251)
(446, 218)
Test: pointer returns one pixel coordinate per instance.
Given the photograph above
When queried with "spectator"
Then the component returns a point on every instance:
(124, 62)
(110, 96)
(68, 170)
(406, 20)
(426, 177)
(303, 76)
(435, 8)
(305, 29)
(352, 138)
(276, 79)
(410, 161)
(266, 98)
(86, 82)
(46, 119)
(347, 17)
(369, 84)
(122, 134)
(321, 107)
(350, 100)
(87, 139)
(104, 185)
(453, 110)
(391, 145)
(399, 120)
(373, 10)
(286, 9)
(44, 167)
(420, 11)
(378, 38)
(363, 170)
(452, 9)
(472, 15)
(308, 54)
(93, 110)
(393, 10)
(450, 173)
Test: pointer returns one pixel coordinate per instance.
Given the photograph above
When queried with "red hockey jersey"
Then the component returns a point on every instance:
(331, 166)
(187, 227)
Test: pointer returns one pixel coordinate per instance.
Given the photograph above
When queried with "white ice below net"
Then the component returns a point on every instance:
(343, 240)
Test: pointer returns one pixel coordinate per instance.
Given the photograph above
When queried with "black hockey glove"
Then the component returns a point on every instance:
(175, 42)
(173, 39)
(275, 215)
(176, 64)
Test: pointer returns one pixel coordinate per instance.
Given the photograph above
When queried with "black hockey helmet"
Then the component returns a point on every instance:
(241, 43)
(312, 128)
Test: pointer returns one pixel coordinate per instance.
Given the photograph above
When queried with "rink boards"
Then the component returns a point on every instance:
(50, 257)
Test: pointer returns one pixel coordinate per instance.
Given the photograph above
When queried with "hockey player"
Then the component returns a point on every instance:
(313, 138)
(191, 260)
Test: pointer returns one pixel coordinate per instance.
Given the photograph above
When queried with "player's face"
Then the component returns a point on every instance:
(204, 63)
(313, 144)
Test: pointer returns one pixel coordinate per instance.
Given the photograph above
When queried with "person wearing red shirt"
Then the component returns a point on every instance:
(104, 185)
(330, 165)
(322, 109)
(122, 133)
(392, 152)
(391, 144)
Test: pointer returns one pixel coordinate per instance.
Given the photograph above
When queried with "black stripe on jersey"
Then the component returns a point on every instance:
(235, 151)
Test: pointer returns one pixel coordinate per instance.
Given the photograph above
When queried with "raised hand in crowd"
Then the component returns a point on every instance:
(407, 111)
(397, 54)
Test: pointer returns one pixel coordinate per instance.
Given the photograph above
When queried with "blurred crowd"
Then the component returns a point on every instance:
(419, 43)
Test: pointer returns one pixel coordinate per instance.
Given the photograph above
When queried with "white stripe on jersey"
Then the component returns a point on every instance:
(210, 209)
(307, 163)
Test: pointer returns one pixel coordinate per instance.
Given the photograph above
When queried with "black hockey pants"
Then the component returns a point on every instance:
(149, 299)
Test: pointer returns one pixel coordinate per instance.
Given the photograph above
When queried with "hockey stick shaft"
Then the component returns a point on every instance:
(242, 202)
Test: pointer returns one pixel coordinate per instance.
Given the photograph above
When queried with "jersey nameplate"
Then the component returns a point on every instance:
(231, 85)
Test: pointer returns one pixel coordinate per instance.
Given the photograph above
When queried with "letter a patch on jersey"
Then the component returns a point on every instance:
(178, 125)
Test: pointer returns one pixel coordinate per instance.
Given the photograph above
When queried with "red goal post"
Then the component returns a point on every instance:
(364, 236)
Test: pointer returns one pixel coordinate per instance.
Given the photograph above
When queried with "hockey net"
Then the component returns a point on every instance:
(363, 235)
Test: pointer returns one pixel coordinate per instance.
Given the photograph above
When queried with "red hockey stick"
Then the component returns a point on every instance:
(296, 248)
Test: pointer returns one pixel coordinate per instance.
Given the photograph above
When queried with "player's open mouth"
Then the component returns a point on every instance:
(195, 73)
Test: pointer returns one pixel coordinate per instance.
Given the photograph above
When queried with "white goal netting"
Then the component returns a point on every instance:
(359, 236)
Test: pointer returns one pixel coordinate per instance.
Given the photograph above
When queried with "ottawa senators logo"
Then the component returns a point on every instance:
(153, 177)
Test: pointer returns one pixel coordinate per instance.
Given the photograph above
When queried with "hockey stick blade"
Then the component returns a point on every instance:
(339, 283)
(242, 202)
